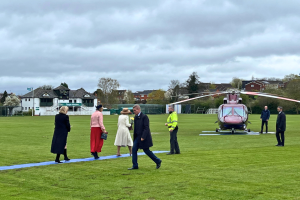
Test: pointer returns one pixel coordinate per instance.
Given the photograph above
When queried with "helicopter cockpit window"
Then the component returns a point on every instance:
(227, 111)
(239, 111)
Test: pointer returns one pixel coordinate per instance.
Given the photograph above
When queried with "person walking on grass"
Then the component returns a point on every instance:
(123, 138)
(97, 128)
(59, 140)
(142, 138)
(264, 117)
(173, 129)
(280, 127)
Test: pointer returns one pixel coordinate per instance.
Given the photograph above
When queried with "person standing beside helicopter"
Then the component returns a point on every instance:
(280, 127)
(264, 117)
(173, 128)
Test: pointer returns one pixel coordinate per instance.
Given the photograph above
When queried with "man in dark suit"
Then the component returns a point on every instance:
(280, 127)
(264, 117)
(142, 138)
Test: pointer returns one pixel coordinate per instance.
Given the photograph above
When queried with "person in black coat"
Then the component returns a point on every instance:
(264, 117)
(62, 127)
(142, 138)
(280, 127)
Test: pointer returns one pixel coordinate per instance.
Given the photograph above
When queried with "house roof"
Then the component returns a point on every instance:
(145, 92)
(81, 93)
(41, 93)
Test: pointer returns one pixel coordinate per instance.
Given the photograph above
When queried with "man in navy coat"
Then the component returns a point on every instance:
(264, 117)
(280, 127)
(142, 138)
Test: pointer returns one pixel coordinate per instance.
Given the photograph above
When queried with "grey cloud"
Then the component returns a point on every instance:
(48, 40)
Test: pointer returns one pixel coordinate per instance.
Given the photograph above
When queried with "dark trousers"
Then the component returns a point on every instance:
(147, 151)
(262, 126)
(280, 142)
(173, 142)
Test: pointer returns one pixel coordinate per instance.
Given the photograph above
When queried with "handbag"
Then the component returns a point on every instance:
(104, 136)
(130, 128)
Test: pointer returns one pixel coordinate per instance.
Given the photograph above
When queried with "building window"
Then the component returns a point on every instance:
(22, 108)
(25, 99)
(74, 101)
(25, 108)
(28, 99)
(252, 85)
(142, 95)
(70, 101)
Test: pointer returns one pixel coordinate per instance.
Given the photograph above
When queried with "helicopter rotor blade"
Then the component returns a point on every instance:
(269, 95)
(190, 99)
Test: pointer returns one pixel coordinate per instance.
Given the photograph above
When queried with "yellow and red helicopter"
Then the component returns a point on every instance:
(233, 114)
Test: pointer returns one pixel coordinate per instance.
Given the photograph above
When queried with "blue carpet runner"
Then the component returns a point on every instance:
(71, 161)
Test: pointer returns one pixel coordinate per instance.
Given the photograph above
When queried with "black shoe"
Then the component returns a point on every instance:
(133, 168)
(261, 132)
(57, 161)
(280, 145)
(170, 153)
(158, 165)
(177, 153)
(95, 155)
(65, 155)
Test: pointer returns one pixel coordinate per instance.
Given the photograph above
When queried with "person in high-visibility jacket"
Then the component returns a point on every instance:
(172, 122)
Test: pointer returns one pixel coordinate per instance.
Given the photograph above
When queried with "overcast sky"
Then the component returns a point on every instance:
(145, 44)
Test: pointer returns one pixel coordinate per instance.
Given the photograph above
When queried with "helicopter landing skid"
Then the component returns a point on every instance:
(228, 132)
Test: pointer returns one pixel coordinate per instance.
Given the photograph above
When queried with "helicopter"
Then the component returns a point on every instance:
(233, 114)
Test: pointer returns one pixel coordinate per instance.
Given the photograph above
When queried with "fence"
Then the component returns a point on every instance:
(10, 111)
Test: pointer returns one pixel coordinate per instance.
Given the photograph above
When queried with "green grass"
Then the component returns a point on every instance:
(210, 167)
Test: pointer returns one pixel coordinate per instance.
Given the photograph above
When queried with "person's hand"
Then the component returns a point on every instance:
(166, 124)
(267, 120)
(142, 139)
(260, 118)
(171, 130)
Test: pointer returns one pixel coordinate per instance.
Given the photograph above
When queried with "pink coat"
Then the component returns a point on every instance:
(97, 120)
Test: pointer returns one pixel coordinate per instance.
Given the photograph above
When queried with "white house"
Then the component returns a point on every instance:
(48, 102)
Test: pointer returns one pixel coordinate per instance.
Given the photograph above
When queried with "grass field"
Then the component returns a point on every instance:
(209, 167)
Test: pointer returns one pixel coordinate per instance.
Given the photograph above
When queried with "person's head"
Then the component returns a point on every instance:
(99, 108)
(64, 109)
(266, 107)
(279, 109)
(125, 111)
(136, 109)
(171, 108)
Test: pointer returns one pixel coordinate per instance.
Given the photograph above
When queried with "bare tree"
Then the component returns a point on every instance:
(109, 88)
(47, 87)
(174, 90)
(129, 97)
(236, 82)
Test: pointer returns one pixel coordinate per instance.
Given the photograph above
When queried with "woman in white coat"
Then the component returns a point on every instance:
(123, 137)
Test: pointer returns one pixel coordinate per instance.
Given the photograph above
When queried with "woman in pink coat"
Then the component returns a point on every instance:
(97, 128)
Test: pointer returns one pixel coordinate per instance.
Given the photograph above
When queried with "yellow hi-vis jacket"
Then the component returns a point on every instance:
(172, 121)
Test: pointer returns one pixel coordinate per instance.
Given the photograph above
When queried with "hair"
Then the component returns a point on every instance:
(99, 107)
(137, 106)
(64, 109)
(280, 107)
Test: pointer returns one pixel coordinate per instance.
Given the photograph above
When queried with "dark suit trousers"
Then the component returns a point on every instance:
(262, 126)
(280, 141)
(173, 142)
(147, 151)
